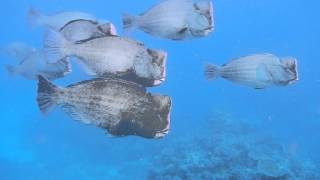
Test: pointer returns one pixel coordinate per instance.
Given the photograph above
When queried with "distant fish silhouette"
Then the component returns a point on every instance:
(32, 62)
(56, 21)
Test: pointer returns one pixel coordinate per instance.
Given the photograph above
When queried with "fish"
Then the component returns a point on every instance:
(121, 107)
(193, 19)
(78, 30)
(57, 20)
(17, 50)
(35, 64)
(258, 71)
(111, 56)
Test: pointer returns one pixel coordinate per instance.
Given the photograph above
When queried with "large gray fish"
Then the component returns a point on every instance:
(258, 71)
(111, 56)
(123, 108)
(32, 62)
(175, 19)
(57, 20)
(81, 29)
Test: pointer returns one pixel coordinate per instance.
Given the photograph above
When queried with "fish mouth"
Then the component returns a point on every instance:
(159, 61)
(163, 72)
(165, 131)
(158, 82)
(113, 30)
(295, 72)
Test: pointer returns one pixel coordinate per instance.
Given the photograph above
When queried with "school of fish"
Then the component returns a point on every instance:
(116, 97)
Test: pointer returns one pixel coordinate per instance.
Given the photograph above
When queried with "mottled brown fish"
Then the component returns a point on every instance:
(123, 108)
(258, 71)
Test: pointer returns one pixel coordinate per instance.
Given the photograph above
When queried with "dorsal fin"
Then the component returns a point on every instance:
(78, 20)
(128, 83)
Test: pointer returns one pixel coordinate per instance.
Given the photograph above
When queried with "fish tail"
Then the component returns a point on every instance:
(130, 22)
(211, 71)
(55, 45)
(11, 70)
(35, 18)
(64, 66)
(47, 95)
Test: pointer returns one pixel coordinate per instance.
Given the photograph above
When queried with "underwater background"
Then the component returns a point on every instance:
(219, 130)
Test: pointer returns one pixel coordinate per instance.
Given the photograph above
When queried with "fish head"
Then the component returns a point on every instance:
(108, 29)
(162, 105)
(153, 122)
(290, 66)
(201, 22)
(159, 65)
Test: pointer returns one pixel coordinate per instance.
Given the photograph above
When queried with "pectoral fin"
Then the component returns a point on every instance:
(263, 77)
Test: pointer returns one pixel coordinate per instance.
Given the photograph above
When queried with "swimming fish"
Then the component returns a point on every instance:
(111, 56)
(80, 29)
(258, 71)
(35, 64)
(122, 108)
(174, 19)
(17, 50)
(58, 20)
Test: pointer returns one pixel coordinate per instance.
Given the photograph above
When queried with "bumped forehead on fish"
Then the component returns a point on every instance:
(201, 21)
(152, 123)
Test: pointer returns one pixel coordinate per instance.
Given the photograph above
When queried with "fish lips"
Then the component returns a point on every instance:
(294, 70)
(159, 59)
(166, 118)
(163, 72)
(154, 124)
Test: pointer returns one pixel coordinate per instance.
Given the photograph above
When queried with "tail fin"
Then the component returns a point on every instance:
(35, 18)
(64, 65)
(211, 71)
(55, 45)
(47, 97)
(129, 22)
(62, 68)
(17, 50)
(11, 70)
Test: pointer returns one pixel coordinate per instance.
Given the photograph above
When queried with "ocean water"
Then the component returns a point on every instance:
(219, 130)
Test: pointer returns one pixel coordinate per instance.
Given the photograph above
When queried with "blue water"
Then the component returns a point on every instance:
(33, 146)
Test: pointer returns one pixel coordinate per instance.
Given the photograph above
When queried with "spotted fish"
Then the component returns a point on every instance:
(122, 108)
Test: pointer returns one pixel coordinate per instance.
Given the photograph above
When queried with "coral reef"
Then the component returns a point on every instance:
(229, 150)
